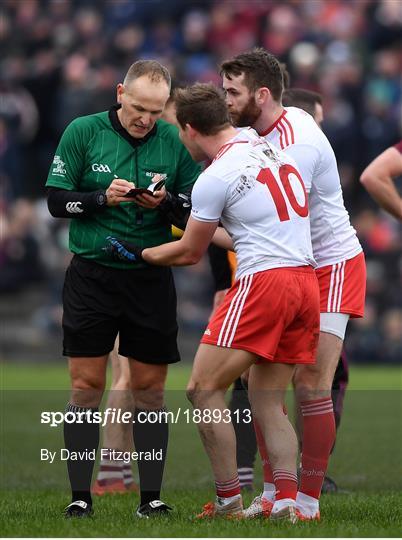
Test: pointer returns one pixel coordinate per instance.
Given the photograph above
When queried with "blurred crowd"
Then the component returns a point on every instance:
(63, 59)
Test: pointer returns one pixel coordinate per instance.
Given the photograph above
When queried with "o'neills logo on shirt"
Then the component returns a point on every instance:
(59, 169)
(152, 174)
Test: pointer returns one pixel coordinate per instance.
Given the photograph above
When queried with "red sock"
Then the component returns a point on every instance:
(318, 439)
(285, 484)
(110, 470)
(266, 466)
(228, 488)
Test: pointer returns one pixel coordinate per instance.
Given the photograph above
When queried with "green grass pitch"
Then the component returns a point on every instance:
(367, 464)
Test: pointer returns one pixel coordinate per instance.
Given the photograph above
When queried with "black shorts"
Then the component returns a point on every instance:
(140, 305)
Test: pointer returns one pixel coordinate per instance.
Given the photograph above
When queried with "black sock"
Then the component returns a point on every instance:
(246, 444)
(81, 437)
(149, 436)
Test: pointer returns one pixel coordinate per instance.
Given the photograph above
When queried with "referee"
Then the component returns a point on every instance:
(99, 159)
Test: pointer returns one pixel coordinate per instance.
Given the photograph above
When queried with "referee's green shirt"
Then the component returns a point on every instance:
(92, 152)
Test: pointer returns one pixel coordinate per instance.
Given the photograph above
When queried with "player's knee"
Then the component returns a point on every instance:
(200, 394)
(309, 383)
(193, 392)
(122, 384)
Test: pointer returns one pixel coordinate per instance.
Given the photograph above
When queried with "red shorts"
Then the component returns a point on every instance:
(343, 286)
(273, 314)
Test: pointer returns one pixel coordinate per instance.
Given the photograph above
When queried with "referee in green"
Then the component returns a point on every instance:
(100, 158)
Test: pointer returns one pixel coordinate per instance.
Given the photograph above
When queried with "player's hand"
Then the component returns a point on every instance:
(154, 200)
(218, 300)
(123, 251)
(117, 190)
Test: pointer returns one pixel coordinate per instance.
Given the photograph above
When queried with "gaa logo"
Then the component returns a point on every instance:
(96, 167)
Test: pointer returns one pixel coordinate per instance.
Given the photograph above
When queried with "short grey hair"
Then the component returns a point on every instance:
(153, 69)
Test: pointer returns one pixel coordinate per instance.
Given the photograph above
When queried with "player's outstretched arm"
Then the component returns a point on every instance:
(186, 251)
(378, 177)
(123, 251)
(222, 239)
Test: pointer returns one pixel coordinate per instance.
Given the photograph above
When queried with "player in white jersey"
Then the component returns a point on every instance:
(269, 320)
(253, 83)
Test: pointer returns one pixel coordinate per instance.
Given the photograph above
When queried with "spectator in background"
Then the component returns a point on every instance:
(391, 330)
(18, 126)
(20, 261)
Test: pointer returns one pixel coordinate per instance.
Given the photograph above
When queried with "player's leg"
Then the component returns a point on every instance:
(338, 389)
(215, 368)
(119, 435)
(115, 475)
(298, 342)
(267, 386)
(339, 385)
(262, 504)
(342, 294)
(313, 391)
(246, 445)
(147, 383)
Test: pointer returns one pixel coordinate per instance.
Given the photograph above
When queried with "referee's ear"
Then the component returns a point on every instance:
(119, 92)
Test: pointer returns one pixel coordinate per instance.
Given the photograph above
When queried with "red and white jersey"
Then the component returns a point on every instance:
(333, 237)
(258, 195)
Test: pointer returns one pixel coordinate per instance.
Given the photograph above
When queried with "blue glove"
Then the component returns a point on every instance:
(124, 251)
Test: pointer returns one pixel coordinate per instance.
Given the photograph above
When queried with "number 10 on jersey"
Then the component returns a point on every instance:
(266, 177)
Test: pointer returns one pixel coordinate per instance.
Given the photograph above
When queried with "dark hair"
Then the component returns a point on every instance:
(155, 71)
(304, 99)
(260, 69)
(203, 106)
(285, 75)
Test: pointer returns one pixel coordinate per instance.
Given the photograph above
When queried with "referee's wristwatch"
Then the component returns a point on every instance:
(101, 198)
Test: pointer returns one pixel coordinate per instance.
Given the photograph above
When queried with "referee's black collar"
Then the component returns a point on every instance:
(116, 125)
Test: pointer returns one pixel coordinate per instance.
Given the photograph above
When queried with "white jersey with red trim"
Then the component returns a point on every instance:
(333, 237)
(257, 193)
